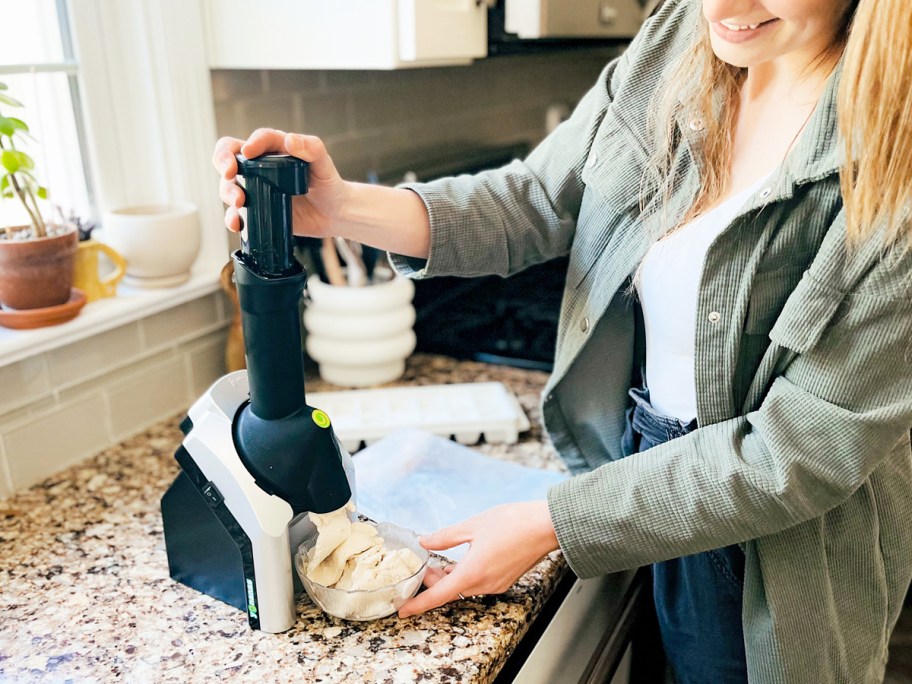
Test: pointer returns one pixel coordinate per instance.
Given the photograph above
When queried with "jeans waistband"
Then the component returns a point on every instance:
(654, 426)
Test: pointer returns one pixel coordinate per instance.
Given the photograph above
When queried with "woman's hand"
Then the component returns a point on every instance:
(505, 542)
(314, 213)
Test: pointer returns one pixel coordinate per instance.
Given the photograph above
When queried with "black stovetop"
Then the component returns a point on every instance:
(511, 321)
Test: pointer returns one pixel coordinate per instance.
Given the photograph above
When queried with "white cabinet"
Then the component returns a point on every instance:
(344, 34)
(531, 19)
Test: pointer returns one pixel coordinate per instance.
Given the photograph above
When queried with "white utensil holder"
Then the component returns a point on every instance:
(360, 336)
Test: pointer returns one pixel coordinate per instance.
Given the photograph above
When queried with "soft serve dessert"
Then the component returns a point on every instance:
(352, 556)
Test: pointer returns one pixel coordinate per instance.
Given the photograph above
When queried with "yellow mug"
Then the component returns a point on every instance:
(86, 276)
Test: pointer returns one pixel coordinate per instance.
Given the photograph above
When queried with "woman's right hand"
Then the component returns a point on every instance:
(315, 213)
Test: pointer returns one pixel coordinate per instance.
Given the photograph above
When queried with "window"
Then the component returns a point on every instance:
(38, 66)
(136, 74)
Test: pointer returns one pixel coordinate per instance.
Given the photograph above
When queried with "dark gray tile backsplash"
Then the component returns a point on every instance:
(386, 119)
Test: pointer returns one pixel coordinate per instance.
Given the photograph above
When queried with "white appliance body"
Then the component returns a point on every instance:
(267, 521)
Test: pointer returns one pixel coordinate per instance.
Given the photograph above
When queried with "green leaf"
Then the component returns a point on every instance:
(10, 161)
(42, 193)
(5, 183)
(2, 86)
(19, 124)
(25, 161)
(6, 126)
(12, 102)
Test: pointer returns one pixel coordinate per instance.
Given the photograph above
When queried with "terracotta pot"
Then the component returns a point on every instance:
(37, 273)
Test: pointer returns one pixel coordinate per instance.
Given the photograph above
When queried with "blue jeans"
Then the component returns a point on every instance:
(698, 597)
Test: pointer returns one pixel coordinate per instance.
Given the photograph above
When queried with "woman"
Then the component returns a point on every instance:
(720, 241)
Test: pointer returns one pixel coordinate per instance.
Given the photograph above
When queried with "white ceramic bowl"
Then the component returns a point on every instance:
(159, 241)
(373, 604)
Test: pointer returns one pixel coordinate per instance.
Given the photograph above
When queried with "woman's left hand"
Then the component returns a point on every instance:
(504, 543)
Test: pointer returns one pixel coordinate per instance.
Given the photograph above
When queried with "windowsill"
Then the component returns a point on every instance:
(129, 305)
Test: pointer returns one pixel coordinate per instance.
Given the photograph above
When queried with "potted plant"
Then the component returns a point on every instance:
(36, 259)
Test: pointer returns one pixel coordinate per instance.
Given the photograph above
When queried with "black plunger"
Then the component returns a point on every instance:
(288, 446)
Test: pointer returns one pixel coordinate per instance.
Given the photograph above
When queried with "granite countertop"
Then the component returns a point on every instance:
(86, 595)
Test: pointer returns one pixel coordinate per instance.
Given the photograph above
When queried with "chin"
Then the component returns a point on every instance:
(732, 55)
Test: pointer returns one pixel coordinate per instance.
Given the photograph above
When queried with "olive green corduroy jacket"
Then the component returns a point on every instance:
(803, 370)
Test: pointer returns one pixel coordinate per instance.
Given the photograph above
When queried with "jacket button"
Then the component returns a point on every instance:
(714, 317)
(696, 125)
(765, 193)
(593, 159)
(584, 325)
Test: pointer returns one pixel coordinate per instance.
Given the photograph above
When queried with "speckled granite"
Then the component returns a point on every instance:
(86, 595)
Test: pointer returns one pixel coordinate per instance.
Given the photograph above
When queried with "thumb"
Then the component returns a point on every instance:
(312, 150)
(446, 538)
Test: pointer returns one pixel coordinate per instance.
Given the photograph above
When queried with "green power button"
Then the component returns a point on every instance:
(320, 418)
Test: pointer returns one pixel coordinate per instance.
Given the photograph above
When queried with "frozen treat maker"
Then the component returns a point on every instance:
(255, 457)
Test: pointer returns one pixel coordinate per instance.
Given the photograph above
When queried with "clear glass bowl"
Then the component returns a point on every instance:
(375, 603)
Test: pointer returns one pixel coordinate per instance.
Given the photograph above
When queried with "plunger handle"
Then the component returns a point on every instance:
(270, 182)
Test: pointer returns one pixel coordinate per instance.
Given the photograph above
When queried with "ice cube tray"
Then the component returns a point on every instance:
(462, 411)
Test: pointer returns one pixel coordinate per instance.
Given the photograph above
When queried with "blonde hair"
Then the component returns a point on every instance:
(874, 115)
(875, 121)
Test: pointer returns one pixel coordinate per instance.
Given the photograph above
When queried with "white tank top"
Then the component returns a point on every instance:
(668, 287)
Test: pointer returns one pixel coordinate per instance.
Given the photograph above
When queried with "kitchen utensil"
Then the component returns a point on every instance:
(334, 273)
(255, 456)
(465, 411)
(355, 270)
(375, 603)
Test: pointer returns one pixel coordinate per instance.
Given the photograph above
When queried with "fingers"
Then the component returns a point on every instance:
(434, 574)
(263, 141)
(446, 538)
(443, 590)
(232, 219)
(223, 156)
(230, 193)
(311, 149)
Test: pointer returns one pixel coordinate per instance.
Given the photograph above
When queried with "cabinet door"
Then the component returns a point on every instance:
(344, 34)
(447, 31)
(578, 19)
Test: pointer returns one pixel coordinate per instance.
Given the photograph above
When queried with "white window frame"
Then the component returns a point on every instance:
(149, 118)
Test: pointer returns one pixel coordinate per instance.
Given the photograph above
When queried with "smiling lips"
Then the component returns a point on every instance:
(738, 33)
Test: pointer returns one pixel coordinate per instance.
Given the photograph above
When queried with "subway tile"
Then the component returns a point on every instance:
(324, 114)
(272, 111)
(149, 396)
(113, 377)
(346, 80)
(6, 485)
(21, 382)
(92, 355)
(207, 364)
(291, 81)
(230, 121)
(184, 321)
(54, 440)
(355, 155)
(17, 415)
(231, 84)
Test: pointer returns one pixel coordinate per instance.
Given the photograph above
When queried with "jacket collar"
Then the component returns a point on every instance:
(819, 152)
(817, 155)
